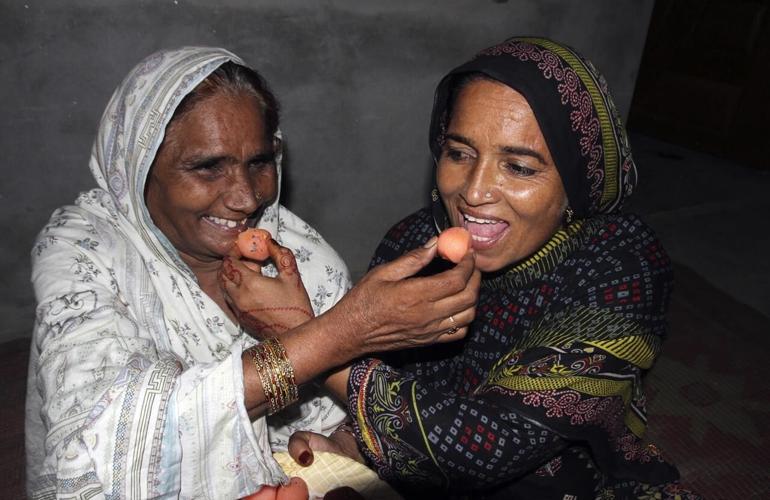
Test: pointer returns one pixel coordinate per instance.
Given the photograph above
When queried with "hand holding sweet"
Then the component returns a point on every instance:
(265, 306)
(391, 308)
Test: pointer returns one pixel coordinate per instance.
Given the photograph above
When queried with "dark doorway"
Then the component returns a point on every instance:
(704, 80)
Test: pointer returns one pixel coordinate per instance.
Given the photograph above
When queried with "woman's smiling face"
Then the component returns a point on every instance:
(213, 173)
(496, 176)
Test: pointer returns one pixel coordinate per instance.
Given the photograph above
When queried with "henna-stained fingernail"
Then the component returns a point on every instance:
(305, 458)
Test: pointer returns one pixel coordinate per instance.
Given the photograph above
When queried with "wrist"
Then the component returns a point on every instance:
(343, 336)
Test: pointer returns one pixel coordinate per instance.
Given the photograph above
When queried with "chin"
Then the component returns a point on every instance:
(486, 265)
(219, 250)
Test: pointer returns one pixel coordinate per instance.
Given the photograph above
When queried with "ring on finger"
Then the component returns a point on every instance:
(454, 327)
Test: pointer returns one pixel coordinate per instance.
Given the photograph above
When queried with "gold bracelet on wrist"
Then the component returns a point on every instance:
(275, 373)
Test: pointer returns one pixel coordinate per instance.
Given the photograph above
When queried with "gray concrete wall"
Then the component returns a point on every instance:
(355, 79)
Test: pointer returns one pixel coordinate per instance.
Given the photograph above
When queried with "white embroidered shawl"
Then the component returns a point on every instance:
(135, 383)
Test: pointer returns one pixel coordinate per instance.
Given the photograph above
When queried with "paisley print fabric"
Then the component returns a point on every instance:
(544, 397)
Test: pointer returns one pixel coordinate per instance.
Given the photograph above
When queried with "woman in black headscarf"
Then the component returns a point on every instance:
(543, 399)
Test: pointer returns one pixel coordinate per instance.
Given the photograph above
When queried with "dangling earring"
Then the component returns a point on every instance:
(568, 215)
(257, 196)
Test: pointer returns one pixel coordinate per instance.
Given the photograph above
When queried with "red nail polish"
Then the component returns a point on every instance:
(305, 458)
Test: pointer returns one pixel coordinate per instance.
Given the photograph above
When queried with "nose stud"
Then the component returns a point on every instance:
(477, 193)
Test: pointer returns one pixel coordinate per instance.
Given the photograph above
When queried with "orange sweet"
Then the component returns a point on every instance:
(454, 243)
(295, 490)
(253, 243)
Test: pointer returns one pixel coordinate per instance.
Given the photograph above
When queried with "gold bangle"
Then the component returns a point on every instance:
(277, 377)
(264, 370)
(275, 373)
(259, 364)
(289, 382)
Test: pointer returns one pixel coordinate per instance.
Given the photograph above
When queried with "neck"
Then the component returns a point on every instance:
(207, 274)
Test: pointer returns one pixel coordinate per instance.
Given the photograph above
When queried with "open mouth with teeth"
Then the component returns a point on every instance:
(485, 232)
(226, 224)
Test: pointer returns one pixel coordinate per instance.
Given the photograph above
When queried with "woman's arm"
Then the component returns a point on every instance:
(119, 414)
(415, 435)
(326, 279)
(384, 311)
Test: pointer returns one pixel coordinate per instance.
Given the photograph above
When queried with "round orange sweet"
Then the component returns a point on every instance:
(295, 490)
(253, 244)
(454, 243)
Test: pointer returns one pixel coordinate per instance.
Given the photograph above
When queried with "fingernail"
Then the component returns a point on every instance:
(430, 242)
(305, 458)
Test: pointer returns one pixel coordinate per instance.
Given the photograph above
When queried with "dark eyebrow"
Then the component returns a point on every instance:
(200, 160)
(514, 150)
(524, 152)
(266, 157)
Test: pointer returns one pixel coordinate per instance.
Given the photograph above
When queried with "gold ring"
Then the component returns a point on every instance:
(454, 326)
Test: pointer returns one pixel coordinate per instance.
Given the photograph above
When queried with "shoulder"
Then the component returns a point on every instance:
(73, 268)
(90, 224)
(617, 243)
(620, 266)
(74, 229)
(410, 232)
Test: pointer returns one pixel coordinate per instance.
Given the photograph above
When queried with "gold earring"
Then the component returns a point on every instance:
(568, 215)
(257, 195)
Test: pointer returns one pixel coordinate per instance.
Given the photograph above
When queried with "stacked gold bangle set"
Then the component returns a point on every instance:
(276, 374)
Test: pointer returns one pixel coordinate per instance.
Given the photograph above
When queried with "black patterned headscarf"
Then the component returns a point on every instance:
(573, 107)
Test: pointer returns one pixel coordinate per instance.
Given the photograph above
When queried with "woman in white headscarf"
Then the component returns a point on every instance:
(143, 382)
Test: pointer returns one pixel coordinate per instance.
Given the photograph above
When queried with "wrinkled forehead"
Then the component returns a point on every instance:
(160, 83)
(134, 122)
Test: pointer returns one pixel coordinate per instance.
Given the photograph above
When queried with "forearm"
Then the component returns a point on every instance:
(384, 312)
(414, 434)
(312, 349)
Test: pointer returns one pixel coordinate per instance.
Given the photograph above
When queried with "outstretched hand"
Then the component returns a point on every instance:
(391, 309)
(265, 306)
